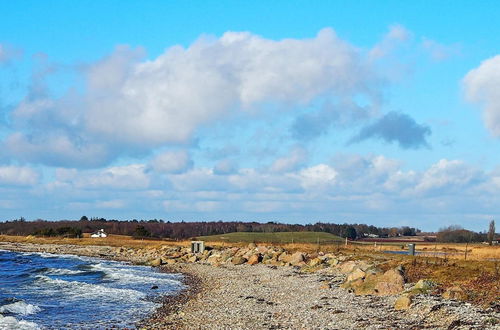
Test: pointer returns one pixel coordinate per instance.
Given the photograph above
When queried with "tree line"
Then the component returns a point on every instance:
(183, 230)
(456, 234)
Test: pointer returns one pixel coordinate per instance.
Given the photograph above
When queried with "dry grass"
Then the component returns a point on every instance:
(111, 240)
(479, 279)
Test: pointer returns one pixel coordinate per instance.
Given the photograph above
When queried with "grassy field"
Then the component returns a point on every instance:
(282, 237)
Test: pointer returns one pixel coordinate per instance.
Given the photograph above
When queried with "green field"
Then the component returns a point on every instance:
(281, 237)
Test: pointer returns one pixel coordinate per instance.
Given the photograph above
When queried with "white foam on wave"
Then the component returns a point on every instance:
(9, 322)
(20, 307)
(63, 271)
(41, 254)
(136, 275)
(57, 255)
(78, 290)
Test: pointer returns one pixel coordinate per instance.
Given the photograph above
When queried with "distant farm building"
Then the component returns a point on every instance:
(99, 234)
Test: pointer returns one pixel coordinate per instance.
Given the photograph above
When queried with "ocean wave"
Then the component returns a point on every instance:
(76, 289)
(9, 322)
(41, 254)
(20, 307)
(62, 271)
(136, 276)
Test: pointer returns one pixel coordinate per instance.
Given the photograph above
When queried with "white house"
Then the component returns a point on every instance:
(99, 234)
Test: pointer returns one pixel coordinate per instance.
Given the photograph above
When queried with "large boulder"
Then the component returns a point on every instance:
(268, 258)
(422, 287)
(347, 267)
(296, 258)
(254, 259)
(262, 249)
(236, 260)
(356, 274)
(283, 257)
(392, 282)
(214, 259)
(315, 262)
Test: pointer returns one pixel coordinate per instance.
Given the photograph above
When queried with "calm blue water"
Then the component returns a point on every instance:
(47, 291)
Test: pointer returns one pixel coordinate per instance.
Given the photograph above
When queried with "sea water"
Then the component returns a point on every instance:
(46, 291)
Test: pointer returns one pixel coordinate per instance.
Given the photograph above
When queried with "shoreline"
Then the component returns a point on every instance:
(173, 303)
(265, 296)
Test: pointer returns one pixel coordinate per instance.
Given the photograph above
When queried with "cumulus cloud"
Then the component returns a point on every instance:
(171, 162)
(129, 177)
(18, 176)
(449, 175)
(396, 127)
(129, 103)
(317, 177)
(481, 86)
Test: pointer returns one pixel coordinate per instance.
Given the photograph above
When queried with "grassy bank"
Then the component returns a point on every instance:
(308, 237)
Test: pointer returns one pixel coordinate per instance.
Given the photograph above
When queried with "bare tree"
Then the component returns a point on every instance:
(491, 232)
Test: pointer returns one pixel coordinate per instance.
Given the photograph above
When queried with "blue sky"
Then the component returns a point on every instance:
(384, 112)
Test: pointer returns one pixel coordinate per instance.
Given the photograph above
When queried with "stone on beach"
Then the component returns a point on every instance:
(254, 259)
(156, 262)
(238, 260)
(391, 282)
(356, 274)
(403, 302)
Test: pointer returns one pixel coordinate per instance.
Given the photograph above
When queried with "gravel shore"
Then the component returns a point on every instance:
(261, 296)
(268, 297)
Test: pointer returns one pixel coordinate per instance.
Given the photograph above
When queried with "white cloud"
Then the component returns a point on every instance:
(18, 176)
(449, 175)
(166, 99)
(57, 149)
(130, 105)
(481, 86)
(351, 188)
(318, 176)
(129, 177)
(171, 162)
